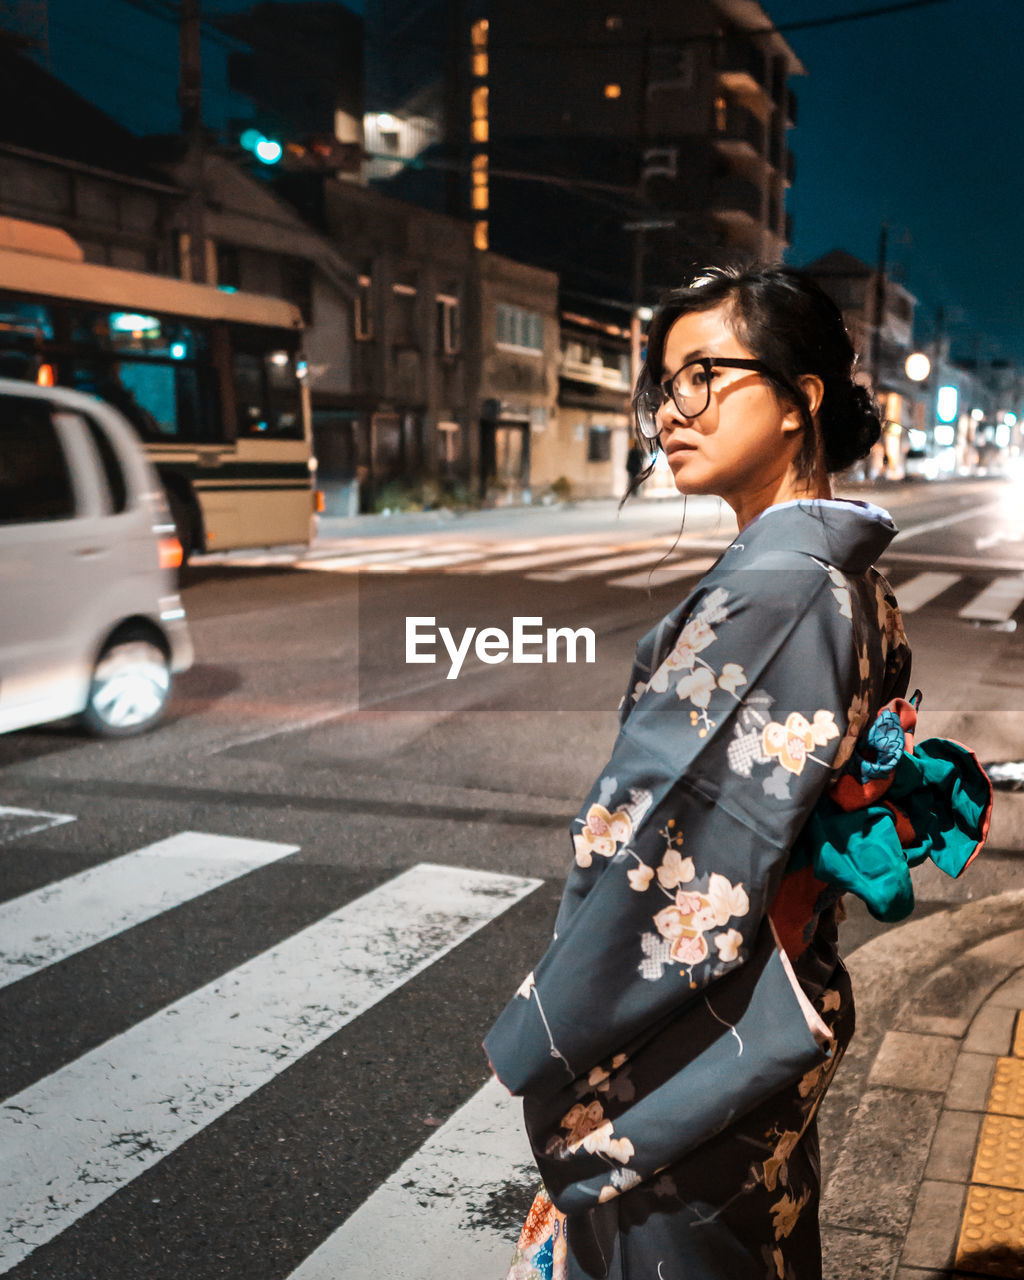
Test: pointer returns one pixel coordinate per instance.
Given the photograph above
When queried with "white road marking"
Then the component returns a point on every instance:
(997, 602)
(41, 928)
(439, 560)
(1002, 535)
(355, 560)
(603, 565)
(418, 1225)
(913, 530)
(15, 823)
(667, 573)
(506, 564)
(956, 562)
(917, 591)
(74, 1138)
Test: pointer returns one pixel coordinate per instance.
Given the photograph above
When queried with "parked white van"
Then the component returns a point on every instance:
(91, 623)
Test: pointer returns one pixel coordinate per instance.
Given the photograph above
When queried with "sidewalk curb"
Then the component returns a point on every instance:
(914, 1083)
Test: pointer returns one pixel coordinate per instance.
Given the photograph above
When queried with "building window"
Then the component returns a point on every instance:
(721, 114)
(403, 313)
(481, 194)
(297, 285)
(613, 22)
(517, 327)
(229, 267)
(613, 91)
(448, 329)
(599, 444)
(364, 309)
(480, 239)
(480, 113)
(480, 67)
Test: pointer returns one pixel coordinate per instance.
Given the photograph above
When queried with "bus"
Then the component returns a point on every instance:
(212, 381)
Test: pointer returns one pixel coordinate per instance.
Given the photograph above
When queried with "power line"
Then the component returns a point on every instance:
(781, 28)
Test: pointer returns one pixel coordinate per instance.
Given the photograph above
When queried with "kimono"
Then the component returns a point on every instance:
(675, 1041)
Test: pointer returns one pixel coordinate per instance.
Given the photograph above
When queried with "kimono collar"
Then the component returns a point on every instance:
(850, 535)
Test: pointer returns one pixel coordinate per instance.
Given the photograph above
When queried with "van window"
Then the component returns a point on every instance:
(34, 479)
(113, 471)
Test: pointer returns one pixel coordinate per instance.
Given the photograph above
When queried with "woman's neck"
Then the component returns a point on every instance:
(750, 505)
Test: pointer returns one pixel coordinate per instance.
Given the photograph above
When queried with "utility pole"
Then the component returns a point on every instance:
(190, 100)
(879, 309)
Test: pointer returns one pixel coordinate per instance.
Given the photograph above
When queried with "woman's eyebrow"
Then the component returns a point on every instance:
(693, 355)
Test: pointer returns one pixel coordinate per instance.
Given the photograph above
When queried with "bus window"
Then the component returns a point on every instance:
(24, 327)
(161, 401)
(267, 397)
(137, 333)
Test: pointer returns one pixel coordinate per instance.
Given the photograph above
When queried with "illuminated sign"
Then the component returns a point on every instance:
(948, 404)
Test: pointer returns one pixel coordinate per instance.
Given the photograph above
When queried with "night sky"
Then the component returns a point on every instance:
(913, 117)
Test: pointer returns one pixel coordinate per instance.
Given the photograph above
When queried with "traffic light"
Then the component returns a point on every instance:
(266, 150)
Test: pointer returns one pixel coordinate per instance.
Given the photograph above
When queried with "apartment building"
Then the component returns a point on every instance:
(625, 145)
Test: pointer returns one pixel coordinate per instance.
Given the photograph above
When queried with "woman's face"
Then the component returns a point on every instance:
(746, 439)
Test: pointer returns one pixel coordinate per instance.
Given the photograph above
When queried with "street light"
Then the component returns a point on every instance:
(917, 366)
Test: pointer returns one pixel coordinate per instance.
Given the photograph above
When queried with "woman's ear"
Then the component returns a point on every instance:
(814, 389)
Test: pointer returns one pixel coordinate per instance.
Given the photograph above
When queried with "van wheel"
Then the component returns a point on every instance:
(130, 688)
(184, 528)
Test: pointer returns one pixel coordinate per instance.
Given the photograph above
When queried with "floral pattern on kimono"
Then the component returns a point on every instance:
(665, 1019)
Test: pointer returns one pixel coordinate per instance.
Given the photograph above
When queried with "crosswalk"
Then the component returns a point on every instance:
(969, 590)
(77, 1142)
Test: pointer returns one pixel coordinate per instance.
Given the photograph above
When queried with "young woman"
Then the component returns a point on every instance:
(674, 1043)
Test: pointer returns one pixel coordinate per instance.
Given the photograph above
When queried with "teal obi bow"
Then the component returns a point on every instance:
(894, 805)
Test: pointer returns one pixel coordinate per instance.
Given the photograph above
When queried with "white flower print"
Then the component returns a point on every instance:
(640, 877)
(675, 870)
(697, 687)
(728, 945)
(693, 639)
(602, 834)
(841, 591)
(732, 677)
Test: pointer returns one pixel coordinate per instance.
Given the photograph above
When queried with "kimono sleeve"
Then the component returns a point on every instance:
(682, 843)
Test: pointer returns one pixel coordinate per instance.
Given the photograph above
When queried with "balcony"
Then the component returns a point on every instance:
(790, 168)
(595, 372)
(740, 132)
(790, 106)
(741, 67)
(735, 200)
(789, 228)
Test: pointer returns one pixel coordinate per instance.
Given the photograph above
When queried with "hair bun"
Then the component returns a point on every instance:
(850, 424)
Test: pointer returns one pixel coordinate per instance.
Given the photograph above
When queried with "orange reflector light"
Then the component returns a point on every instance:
(318, 501)
(45, 377)
(170, 553)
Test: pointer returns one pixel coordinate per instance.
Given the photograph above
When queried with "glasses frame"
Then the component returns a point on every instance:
(647, 420)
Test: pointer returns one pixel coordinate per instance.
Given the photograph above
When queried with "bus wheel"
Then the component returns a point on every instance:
(130, 687)
(184, 527)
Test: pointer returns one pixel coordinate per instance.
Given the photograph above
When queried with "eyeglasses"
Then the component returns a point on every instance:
(690, 389)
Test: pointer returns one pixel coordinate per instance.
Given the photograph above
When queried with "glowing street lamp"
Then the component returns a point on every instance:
(917, 366)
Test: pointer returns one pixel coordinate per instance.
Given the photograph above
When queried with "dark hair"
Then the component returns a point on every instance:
(787, 320)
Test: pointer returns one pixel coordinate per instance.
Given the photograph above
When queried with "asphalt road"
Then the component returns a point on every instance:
(214, 1083)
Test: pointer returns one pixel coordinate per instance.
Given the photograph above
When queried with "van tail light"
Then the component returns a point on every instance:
(45, 377)
(170, 552)
(318, 501)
